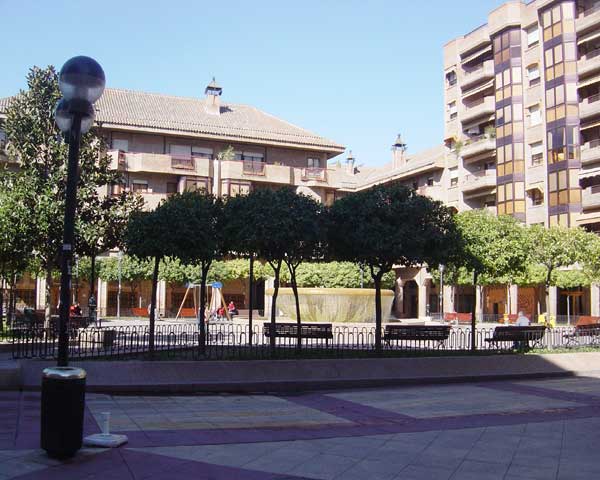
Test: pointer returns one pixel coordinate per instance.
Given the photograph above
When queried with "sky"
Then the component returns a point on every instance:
(356, 72)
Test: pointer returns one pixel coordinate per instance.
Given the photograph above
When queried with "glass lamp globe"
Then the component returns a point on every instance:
(81, 78)
(65, 111)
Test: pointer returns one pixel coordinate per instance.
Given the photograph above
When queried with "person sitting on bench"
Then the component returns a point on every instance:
(522, 321)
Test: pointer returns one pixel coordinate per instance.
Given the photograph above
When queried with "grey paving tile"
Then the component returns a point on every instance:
(538, 471)
(472, 470)
(419, 472)
(324, 466)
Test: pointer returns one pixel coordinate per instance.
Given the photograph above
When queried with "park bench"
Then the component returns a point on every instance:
(436, 333)
(307, 330)
(522, 335)
(590, 330)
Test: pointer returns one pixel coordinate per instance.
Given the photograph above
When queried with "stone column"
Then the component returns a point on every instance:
(448, 298)
(595, 299)
(422, 295)
(40, 293)
(161, 297)
(552, 308)
(478, 302)
(513, 291)
(399, 304)
(102, 299)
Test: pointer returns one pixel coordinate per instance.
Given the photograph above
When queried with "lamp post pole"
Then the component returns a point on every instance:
(442, 292)
(119, 288)
(68, 238)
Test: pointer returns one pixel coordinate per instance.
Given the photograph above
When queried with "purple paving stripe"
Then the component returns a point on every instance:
(543, 392)
(353, 411)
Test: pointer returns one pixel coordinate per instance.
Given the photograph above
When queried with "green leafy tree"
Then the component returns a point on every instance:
(305, 240)
(242, 238)
(198, 217)
(495, 249)
(15, 247)
(557, 247)
(390, 225)
(133, 271)
(148, 237)
(37, 145)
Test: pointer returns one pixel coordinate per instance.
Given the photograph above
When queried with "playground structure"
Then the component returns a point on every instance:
(216, 300)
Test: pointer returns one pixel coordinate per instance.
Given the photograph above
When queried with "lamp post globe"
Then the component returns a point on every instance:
(65, 111)
(81, 78)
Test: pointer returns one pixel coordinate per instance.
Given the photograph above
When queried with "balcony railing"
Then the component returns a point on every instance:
(314, 173)
(183, 162)
(250, 167)
(477, 176)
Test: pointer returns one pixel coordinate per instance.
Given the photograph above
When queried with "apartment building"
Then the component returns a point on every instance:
(522, 113)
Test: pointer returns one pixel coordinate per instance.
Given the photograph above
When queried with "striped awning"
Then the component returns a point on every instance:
(478, 89)
(589, 178)
(590, 36)
(476, 54)
(588, 81)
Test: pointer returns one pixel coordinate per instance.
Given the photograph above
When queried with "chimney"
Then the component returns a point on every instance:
(350, 160)
(398, 150)
(213, 98)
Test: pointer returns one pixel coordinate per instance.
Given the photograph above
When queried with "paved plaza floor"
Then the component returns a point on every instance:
(535, 429)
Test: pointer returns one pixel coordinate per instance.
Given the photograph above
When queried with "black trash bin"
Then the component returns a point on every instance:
(63, 402)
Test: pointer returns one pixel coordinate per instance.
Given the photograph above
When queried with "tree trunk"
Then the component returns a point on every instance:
(93, 277)
(297, 299)
(12, 307)
(250, 299)
(547, 294)
(153, 306)
(202, 310)
(48, 299)
(377, 281)
(473, 308)
(272, 339)
(2, 304)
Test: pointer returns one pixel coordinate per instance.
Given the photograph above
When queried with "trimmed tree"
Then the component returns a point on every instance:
(148, 236)
(198, 239)
(495, 248)
(390, 225)
(557, 247)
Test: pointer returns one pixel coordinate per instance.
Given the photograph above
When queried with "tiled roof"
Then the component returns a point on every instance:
(188, 116)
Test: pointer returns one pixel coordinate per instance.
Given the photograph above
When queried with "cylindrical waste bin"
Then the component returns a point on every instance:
(63, 402)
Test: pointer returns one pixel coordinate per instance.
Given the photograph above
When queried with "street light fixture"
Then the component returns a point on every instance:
(442, 291)
(81, 81)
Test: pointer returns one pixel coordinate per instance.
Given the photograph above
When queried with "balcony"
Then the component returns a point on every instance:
(589, 63)
(434, 192)
(476, 39)
(587, 19)
(590, 152)
(479, 108)
(152, 200)
(473, 182)
(477, 145)
(160, 163)
(471, 77)
(590, 200)
(536, 214)
(256, 171)
(314, 174)
(536, 174)
(590, 106)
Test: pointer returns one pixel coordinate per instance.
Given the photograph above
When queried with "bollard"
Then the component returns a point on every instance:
(63, 403)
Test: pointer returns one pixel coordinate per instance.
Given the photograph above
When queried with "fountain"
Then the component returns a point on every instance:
(329, 305)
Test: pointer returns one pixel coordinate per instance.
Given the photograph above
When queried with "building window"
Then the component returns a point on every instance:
(184, 151)
(452, 113)
(537, 153)
(533, 75)
(315, 162)
(140, 186)
(329, 197)
(537, 197)
(120, 144)
(451, 78)
(535, 115)
(117, 188)
(249, 156)
(533, 35)
(552, 20)
(453, 176)
(171, 187)
(233, 189)
(430, 181)
(195, 184)
(201, 152)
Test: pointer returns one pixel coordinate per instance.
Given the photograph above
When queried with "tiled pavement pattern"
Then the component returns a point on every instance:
(545, 429)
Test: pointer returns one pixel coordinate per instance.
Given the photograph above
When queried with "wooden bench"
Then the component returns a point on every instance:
(437, 333)
(307, 330)
(522, 335)
(591, 330)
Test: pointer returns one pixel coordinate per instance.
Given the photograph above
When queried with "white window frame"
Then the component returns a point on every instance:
(533, 35)
(535, 115)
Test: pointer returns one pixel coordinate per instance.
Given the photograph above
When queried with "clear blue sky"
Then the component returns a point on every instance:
(355, 71)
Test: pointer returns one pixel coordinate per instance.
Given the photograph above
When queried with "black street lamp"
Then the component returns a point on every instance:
(81, 81)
